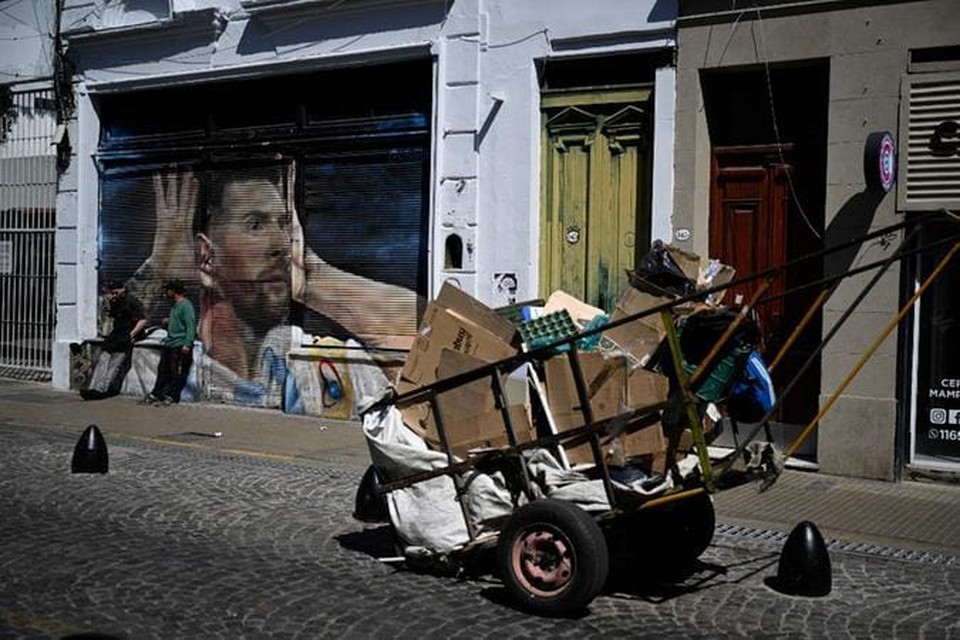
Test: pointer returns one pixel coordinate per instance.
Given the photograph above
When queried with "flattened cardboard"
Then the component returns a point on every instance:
(688, 262)
(724, 275)
(470, 415)
(640, 337)
(640, 439)
(580, 312)
(467, 399)
(415, 416)
(604, 388)
(646, 388)
(612, 392)
(487, 431)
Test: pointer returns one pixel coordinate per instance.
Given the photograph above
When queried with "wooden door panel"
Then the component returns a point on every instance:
(573, 209)
(595, 199)
(740, 231)
(750, 207)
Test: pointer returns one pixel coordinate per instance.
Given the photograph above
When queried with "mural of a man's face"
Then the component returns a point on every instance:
(248, 248)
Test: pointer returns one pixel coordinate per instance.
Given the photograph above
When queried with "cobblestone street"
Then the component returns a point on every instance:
(182, 543)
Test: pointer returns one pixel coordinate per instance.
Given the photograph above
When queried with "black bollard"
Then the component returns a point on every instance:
(90, 454)
(804, 568)
(370, 505)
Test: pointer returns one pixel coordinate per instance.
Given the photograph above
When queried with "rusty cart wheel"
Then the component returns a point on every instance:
(553, 557)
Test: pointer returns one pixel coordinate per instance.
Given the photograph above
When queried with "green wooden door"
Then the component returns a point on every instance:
(596, 193)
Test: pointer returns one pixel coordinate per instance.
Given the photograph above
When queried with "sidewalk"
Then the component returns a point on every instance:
(262, 432)
(907, 515)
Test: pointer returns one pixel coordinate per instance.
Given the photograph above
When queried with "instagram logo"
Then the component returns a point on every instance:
(938, 416)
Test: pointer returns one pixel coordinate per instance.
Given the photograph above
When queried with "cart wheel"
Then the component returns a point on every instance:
(552, 557)
(691, 523)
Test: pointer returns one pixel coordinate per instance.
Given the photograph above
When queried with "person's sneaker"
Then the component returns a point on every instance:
(149, 399)
(167, 401)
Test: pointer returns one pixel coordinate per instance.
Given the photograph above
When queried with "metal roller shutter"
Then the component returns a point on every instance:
(364, 213)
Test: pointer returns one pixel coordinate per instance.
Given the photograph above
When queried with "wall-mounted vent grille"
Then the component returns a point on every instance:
(930, 172)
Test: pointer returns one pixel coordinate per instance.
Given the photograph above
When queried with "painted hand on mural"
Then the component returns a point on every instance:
(172, 256)
(378, 313)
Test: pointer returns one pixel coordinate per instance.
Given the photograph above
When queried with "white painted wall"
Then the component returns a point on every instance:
(509, 38)
(26, 41)
(485, 190)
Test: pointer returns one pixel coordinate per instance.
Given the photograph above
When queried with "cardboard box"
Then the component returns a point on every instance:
(470, 414)
(458, 322)
(688, 262)
(580, 312)
(612, 391)
(415, 416)
(486, 430)
(463, 304)
(641, 337)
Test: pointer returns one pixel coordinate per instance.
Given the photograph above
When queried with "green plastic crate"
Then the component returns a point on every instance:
(548, 329)
(552, 327)
(716, 384)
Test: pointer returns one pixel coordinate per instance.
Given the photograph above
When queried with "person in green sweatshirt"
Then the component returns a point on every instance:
(176, 356)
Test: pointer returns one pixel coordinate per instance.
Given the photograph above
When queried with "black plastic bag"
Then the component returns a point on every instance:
(658, 273)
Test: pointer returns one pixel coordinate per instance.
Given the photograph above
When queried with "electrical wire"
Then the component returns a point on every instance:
(733, 30)
(776, 128)
(501, 45)
(44, 50)
(5, 11)
(297, 23)
(96, 10)
(12, 5)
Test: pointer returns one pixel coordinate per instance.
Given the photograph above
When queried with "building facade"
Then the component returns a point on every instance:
(791, 117)
(31, 105)
(315, 170)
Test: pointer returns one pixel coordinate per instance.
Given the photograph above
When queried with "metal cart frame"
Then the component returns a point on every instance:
(711, 476)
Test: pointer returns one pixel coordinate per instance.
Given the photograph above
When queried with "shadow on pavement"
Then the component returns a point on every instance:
(659, 582)
(377, 542)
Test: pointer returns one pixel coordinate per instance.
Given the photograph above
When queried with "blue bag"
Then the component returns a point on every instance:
(753, 395)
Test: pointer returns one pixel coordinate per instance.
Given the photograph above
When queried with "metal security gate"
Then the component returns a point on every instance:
(28, 191)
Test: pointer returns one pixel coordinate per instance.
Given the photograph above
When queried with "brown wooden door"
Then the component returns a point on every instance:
(747, 223)
(754, 227)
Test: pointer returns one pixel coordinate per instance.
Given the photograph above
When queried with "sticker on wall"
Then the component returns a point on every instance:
(505, 286)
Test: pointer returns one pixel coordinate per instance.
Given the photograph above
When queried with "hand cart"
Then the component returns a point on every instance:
(553, 555)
